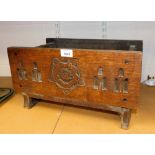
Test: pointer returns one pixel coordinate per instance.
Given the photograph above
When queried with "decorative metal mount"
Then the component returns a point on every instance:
(65, 74)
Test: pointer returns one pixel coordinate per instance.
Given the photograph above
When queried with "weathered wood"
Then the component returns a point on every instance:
(125, 118)
(29, 102)
(98, 78)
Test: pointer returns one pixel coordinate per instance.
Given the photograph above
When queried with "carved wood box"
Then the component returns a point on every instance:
(102, 74)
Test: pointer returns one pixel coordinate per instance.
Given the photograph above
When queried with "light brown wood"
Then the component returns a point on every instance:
(89, 62)
(71, 80)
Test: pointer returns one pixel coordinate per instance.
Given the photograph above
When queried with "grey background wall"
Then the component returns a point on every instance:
(34, 33)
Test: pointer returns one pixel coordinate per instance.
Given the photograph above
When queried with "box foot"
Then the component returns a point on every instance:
(125, 118)
(29, 102)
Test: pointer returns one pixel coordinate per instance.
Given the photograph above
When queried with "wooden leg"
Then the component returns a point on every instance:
(28, 101)
(125, 118)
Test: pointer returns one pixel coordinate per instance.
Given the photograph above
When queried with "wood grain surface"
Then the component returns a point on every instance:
(88, 64)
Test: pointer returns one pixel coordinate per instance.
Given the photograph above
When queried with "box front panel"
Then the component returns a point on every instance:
(90, 76)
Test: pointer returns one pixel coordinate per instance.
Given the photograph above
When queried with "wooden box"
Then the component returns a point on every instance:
(102, 74)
